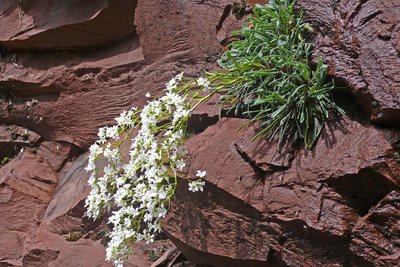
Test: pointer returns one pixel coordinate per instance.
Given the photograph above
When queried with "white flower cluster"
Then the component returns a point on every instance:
(204, 83)
(138, 187)
(198, 185)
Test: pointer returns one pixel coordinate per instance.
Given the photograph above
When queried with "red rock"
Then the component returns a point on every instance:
(31, 175)
(266, 156)
(51, 25)
(35, 236)
(26, 186)
(39, 258)
(77, 123)
(328, 207)
(92, 87)
(13, 138)
(86, 252)
(376, 237)
(56, 153)
(360, 42)
(187, 35)
(301, 215)
(20, 215)
(71, 190)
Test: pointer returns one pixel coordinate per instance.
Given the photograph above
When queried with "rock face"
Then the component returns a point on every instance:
(360, 40)
(336, 205)
(50, 25)
(69, 67)
(13, 138)
(89, 87)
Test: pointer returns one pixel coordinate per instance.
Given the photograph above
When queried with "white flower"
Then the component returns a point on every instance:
(195, 186)
(162, 194)
(180, 164)
(181, 113)
(148, 217)
(161, 211)
(200, 174)
(179, 76)
(126, 118)
(141, 184)
(102, 135)
(204, 82)
(112, 154)
(171, 84)
(148, 95)
(112, 132)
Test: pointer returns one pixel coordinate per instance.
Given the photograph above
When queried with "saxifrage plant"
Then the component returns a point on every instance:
(266, 75)
(139, 184)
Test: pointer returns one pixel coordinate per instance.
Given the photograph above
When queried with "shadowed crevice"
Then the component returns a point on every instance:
(363, 190)
(199, 122)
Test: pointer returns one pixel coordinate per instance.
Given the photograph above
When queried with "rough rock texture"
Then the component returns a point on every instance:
(53, 25)
(89, 87)
(336, 205)
(27, 184)
(360, 40)
(377, 236)
(69, 67)
(44, 225)
(13, 138)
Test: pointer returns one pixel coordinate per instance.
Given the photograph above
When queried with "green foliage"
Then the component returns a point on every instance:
(74, 236)
(267, 75)
(4, 161)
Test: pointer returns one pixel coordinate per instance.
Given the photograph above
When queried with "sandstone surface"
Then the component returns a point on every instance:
(69, 67)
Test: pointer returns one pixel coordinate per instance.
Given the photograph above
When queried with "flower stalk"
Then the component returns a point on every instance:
(137, 188)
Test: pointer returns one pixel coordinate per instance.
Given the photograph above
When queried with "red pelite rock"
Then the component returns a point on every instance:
(360, 41)
(301, 215)
(68, 68)
(49, 25)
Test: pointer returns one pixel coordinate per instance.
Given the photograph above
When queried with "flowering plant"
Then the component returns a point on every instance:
(141, 184)
(265, 75)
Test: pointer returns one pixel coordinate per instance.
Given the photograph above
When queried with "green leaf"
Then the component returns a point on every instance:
(267, 75)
